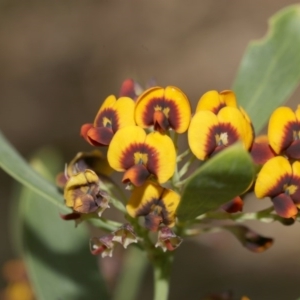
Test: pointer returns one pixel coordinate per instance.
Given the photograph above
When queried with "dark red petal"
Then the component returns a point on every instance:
(284, 206)
(293, 151)
(152, 221)
(100, 136)
(127, 89)
(71, 216)
(160, 121)
(257, 243)
(233, 206)
(84, 130)
(137, 175)
(261, 153)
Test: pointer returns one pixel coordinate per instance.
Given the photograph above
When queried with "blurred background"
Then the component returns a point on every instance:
(60, 59)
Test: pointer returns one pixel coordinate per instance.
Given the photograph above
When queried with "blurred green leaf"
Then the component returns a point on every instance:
(270, 69)
(12, 163)
(131, 276)
(56, 253)
(219, 180)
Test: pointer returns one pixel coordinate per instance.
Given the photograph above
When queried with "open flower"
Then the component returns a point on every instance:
(215, 101)
(112, 115)
(139, 155)
(209, 133)
(284, 132)
(83, 194)
(155, 203)
(280, 180)
(163, 108)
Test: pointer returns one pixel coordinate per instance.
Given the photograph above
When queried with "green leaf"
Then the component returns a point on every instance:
(270, 69)
(219, 180)
(12, 163)
(56, 254)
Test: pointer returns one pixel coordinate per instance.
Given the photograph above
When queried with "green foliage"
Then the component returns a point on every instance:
(219, 180)
(270, 69)
(56, 253)
(12, 163)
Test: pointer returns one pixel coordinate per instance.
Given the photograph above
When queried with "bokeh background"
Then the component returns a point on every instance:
(60, 59)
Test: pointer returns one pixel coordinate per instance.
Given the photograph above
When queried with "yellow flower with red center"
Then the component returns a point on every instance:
(280, 180)
(209, 133)
(157, 204)
(139, 155)
(113, 115)
(163, 108)
(284, 132)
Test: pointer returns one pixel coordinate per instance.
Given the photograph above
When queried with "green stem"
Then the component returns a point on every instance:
(162, 270)
(131, 276)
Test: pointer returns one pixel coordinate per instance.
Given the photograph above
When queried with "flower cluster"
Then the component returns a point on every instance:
(140, 130)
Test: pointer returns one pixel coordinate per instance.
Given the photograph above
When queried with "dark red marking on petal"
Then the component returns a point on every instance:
(100, 136)
(295, 180)
(261, 153)
(234, 205)
(160, 121)
(279, 187)
(127, 158)
(150, 109)
(173, 114)
(284, 206)
(288, 134)
(293, 151)
(218, 108)
(111, 115)
(137, 175)
(174, 119)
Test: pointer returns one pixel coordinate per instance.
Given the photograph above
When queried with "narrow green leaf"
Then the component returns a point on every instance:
(56, 253)
(12, 163)
(219, 180)
(270, 69)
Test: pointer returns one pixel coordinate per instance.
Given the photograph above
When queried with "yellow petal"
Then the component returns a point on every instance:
(234, 117)
(209, 101)
(122, 141)
(142, 199)
(171, 201)
(270, 174)
(125, 112)
(79, 181)
(201, 138)
(141, 196)
(179, 119)
(279, 138)
(142, 106)
(108, 103)
(165, 157)
(228, 98)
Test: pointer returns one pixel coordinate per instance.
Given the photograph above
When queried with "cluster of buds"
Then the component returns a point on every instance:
(140, 131)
